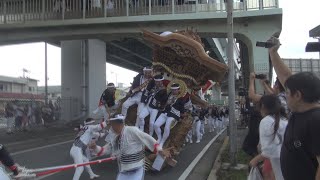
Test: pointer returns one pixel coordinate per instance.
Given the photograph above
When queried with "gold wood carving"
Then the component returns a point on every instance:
(185, 55)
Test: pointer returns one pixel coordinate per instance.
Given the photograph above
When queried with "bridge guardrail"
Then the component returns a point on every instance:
(23, 11)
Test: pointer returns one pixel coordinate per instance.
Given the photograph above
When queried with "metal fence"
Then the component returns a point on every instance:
(21, 11)
(20, 114)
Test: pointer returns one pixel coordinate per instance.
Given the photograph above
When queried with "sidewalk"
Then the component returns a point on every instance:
(223, 155)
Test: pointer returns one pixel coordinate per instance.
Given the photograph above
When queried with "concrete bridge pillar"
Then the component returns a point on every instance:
(83, 77)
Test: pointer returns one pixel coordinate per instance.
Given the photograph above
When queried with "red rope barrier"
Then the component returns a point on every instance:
(67, 167)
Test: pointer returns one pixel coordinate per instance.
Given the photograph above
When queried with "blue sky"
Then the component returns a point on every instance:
(298, 18)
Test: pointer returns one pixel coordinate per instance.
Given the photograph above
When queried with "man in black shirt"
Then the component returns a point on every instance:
(107, 100)
(300, 153)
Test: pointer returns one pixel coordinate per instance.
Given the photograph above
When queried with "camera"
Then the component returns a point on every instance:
(264, 44)
(261, 76)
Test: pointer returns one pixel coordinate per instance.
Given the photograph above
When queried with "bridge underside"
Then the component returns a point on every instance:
(134, 53)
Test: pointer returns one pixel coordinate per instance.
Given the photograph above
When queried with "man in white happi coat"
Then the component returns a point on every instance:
(155, 98)
(80, 151)
(140, 82)
(128, 147)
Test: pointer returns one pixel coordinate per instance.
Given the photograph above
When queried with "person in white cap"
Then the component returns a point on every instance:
(80, 151)
(128, 147)
(107, 101)
(155, 98)
(174, 111)
(140, 82)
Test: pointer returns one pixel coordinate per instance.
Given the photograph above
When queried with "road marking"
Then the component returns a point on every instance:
(39, 178)
(38, 139)
(42, 147)
(186, 172)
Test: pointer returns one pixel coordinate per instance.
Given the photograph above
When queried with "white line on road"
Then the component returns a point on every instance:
(38, 139)
(42, 147)
(39, 178)
(186, 172)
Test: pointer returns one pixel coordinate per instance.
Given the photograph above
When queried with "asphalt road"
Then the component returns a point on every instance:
(52, 149)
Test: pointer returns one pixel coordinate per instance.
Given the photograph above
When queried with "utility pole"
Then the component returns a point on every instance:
(231, 85)
(46, 72)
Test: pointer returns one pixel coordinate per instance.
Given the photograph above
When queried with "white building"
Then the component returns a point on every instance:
(18, 85)
(303, 65)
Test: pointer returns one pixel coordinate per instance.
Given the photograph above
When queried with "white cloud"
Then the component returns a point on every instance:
(31, 57)
(298, 18)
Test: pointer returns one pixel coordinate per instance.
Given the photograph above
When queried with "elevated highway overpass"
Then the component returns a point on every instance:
(90, 34)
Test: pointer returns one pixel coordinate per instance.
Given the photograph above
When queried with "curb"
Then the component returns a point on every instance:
(192, 165)
(217, 162)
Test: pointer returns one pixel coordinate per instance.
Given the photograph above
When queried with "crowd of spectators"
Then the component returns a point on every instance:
(284, 123)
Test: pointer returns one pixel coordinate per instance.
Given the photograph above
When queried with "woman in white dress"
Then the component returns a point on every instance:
(271, 132)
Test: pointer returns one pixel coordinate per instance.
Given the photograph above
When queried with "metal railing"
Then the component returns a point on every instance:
(22, 11)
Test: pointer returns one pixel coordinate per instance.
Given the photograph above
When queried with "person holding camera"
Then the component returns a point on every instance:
(277, 89)
(300, 152)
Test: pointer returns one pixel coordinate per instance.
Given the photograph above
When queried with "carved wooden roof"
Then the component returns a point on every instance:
(183, 55)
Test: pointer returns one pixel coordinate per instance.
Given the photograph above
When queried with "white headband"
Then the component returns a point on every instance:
(111, 86)
(147, 69)
(174, 88)
(159, 79)
(117, 117)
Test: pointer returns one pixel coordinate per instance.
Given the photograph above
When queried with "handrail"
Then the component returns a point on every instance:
(24, 11)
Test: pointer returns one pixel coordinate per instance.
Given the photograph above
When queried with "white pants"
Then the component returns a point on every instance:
(136, 99)
(226, 121)
(211, 124)
(10, 123)
(197, 129)
(163, 118)
(189, 136)
(219, 124)
(223, 121)
(143, 114)
(78, 157)
(202, 127)
(137, 174)
(3, 174)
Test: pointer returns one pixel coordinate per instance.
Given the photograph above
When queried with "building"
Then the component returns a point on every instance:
(18, 85)
(22, 90)
(303, 65)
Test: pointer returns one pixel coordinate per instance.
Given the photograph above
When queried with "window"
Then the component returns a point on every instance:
(3, 87)
(30, 89)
